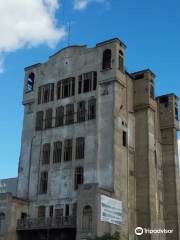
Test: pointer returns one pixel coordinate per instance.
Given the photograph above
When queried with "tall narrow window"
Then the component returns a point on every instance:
(81, 111)
(48, 118)
(80, 146)
(41, 212)
(176, 113)
(46, 153)
(43, 182)
(68, 150)
(92, 109)
(79, 177)
(67, 210)
(121, 61)
(30, 82)
(39, 95)
(80, 84)
(87, 219)
(57, 152)
(69, 113)
(2, 223)
(152, 91)
(94, 80)
(51, 210)
(87, 82)
(39, 120)
(124, 139)
(59, 116)
(106, 59)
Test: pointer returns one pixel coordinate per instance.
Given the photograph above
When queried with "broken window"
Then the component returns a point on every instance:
(67, 210)
(176, 113)
(2, 223)
(30, 82)
(124, 138)
(79, 177)
(87, 82)
(92, 109)
(59, 212)
(43, 182)
(57, 152)
(106, 59)
(41, 212)
(121, 61)
(51, 210)
(152, 91)
(68, 150)
(46, 93)
(87, 219)
(48, 118)
(59, 116)
(80, 145)
(66, 88)
(39, 120)
(46, 153)
(69, 113)
(81, 111)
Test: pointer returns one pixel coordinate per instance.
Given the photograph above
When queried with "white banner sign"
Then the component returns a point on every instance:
(111, 210)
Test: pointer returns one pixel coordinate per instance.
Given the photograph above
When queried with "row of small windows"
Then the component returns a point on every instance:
(78, 180)
(67, 150)
(66, 88)
(66, 115)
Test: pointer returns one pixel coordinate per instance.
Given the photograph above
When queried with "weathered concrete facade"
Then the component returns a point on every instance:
(127, 150)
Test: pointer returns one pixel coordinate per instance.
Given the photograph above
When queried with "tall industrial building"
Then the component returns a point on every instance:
(99, 150)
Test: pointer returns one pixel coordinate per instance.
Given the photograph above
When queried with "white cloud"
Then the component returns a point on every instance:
(82, 4)
(28, 23)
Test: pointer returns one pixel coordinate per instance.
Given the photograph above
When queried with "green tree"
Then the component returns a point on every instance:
(107, 236)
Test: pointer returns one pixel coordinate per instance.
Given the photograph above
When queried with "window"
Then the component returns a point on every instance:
(106, 59)
(46, 153)
(46, 93)
(121, 61)
(87, 219)
(87, 82)
(68, 150)
(59, 116)
(92, 109)
(43, 182)
(124, 139)
(81, 111)
(41, 212)
(2, 223)
(39, 120)
(48, 118)
(80, 148)
(69, 113)
(176, 113)
(57, 152)
(66, 88)
(51, 209)
(59, 212)
(67, 210)
(152, 91)
(79, 172)
(30, 82)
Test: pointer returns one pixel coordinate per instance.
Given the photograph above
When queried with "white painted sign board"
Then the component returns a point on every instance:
(111, 210)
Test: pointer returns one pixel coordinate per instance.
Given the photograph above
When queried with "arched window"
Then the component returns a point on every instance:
(106, 59)
(30, 82)
(87, 219)
(2, 222)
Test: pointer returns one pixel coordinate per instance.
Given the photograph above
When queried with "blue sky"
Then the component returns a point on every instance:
(31, 33)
